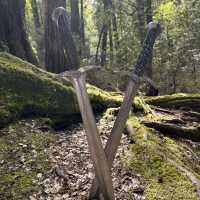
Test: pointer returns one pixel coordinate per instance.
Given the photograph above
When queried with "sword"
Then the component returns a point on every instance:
(153, 30)
(77, 78)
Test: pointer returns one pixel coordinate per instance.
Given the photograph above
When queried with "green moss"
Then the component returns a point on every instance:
(23, 156)
(150, 156)
(178, 99)
(140, 105)
(170, 190)
(102, 99)
(27, 90)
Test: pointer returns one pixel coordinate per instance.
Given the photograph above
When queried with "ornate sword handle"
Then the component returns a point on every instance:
(60, 17)
(153, 30)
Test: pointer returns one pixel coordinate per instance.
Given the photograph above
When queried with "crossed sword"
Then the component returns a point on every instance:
(102, 187)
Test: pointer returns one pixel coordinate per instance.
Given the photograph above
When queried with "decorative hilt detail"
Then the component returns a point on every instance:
(60, 17)
(60, 11)
(153, 30)
(70, 75)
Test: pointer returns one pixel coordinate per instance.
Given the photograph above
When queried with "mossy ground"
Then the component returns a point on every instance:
(23, 157)
(150, 155)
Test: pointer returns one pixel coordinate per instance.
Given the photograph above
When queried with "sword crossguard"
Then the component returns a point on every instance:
(136, 79)
(75, 74)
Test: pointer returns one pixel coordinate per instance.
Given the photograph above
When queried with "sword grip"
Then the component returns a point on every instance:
(60, 17)
(153, 30)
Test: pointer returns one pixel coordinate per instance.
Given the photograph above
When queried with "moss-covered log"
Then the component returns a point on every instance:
(179, 101)
(175, 131)
(26, 90)
(150, 155)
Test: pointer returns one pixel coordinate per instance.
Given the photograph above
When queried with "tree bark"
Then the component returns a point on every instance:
(98, 46)
(149, 18)
(141, 14)
(104, 45)
(36, 14)
(12, 30)
(140, 6)
(82, 28)
(75, 17)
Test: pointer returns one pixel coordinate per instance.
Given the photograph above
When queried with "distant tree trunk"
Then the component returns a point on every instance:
(75, 17)
(149, 13)
(36, 14)
(39, 29)
(140, 6)
(105, 32)
(114, 24)
(98, 46)
(12, 30)
(149, 18)
(104, 45)
(55, 58)
(110, 25)
(111, 44)
(141, 14)
(82, 28)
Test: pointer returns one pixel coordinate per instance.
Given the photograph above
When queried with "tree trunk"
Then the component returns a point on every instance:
(104, 45)
(12, 30)
(140, 5)
(98, 46)
(82, 28)
(111, 44)
(75, 17)
(115, 28)
(55, 58)
(36, 14)
(149, 18)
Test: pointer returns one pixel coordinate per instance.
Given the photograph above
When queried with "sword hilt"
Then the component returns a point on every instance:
(77, 73)
(60, 17)
(153, 30)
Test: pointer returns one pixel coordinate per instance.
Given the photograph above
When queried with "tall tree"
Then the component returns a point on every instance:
(109, 28)
(144, 15)
(82, 29)
(75, 17)
(36, 16)
(55, 57)
(140, 7)
(12, 29)
(149, 18)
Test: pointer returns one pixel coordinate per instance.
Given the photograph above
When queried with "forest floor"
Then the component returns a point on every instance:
(71, 176)
(68, 171)
(39, 163)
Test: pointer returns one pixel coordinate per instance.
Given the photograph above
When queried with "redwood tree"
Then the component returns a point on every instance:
(12, 30)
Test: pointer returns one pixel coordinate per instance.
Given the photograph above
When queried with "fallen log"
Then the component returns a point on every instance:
(175, 131)
(178, 101)
(26, 90)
